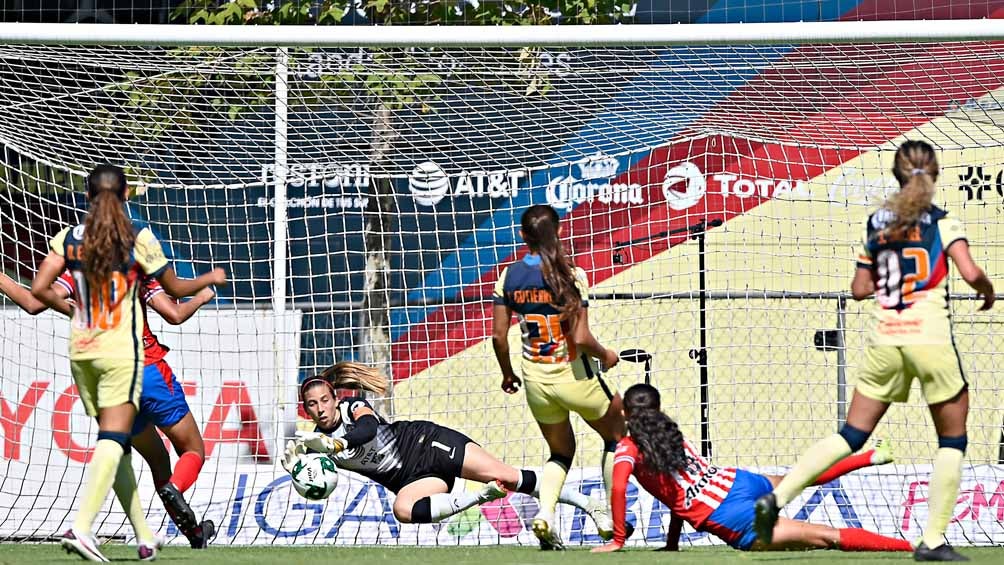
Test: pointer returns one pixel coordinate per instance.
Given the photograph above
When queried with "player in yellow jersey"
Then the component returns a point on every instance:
(107, 257)
(550, 297)
(904, 263)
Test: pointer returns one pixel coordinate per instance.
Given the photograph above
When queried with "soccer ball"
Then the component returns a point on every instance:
(315, 476)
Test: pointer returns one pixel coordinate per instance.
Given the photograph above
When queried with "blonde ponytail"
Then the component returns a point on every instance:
(916, 169)
(355, 376)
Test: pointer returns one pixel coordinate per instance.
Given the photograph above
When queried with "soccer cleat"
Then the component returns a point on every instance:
(148, 551)
(600, 514)
(882, 453)
(202, 535)
(549, 540)
(86, 546)
(766, 517)
(943, 552)
(492, 491)
(178, 510)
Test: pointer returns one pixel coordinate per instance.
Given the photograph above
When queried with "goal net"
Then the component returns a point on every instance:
(364, 199)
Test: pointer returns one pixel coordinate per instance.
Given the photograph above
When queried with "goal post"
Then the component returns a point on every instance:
(363, 188)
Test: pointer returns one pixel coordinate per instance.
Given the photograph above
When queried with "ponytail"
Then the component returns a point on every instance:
(540, 230)
(916, 169)
(355, 376)
(657, 436)
(108, 232)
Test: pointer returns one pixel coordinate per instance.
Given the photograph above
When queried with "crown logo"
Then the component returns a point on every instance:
(599, 166)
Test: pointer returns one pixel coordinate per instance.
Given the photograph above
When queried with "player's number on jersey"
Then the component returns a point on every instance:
(101, 307)
(898, 277)
(542, 330)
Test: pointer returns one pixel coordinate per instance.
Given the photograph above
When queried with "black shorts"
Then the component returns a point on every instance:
(428, 450)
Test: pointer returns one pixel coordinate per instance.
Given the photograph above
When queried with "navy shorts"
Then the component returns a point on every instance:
(732, 521)
(162, 402)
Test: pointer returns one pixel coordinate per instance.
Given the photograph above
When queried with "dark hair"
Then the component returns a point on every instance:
(916, 169)
(540, 230)
(657, 436)
(108, 232)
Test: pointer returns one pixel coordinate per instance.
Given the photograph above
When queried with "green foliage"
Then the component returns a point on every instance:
(227, 84)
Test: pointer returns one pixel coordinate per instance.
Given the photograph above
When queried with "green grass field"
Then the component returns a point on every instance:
(50, 553)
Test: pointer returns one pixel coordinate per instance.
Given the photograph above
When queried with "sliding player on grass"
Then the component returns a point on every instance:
(717, 500)
(162, 402)
(419, 461)
(905, 264)
(550, 297)
(107, 256)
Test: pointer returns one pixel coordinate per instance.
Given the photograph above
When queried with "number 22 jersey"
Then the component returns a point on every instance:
(911, 278)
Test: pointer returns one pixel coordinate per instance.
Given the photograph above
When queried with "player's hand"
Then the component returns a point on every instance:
(608, 548)
(511, 384)
(610, 359)
(292, 454)
(219, 277)
(988, 300)
(206, 294)
(319, 442)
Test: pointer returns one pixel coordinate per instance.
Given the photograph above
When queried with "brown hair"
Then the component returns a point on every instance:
(540, 230)
(108, 232)
(348, 375)
(916, 169)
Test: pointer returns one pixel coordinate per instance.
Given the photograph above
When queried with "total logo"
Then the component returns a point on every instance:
(685, 185)
(429, 184)
(593, 183)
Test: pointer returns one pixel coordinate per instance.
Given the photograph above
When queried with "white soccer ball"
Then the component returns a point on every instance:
(315, 476)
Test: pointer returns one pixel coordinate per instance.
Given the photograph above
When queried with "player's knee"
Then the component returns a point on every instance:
(564, 461)
(854, 437)
(120, 438)
(958, 442)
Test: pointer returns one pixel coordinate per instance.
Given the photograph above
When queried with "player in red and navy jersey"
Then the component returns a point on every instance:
(162, 400)
(717, 500)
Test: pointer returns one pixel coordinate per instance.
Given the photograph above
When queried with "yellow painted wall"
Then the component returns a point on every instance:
(772, 392)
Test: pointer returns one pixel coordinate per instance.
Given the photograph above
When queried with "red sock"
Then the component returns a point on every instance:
(186, 471)
(844, 466)
(856, 539)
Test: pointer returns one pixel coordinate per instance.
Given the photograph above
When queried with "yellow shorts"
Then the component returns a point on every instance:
(550, 403)
(888, 371)
(103, 383)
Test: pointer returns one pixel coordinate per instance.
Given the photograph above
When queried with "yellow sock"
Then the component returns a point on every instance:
(608, 473)
(817, 459)
(942, 495)
(100, 476)
(128, 495)
(551, 482)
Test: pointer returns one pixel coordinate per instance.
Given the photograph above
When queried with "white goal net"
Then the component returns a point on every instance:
(364, 199)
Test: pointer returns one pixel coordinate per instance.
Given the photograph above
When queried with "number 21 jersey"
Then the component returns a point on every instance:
(911, 278)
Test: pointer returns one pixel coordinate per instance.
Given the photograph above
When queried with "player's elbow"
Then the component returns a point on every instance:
(172, 317)
(34, 309)
(500, 340)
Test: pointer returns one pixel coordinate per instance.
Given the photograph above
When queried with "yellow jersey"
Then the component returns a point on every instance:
(548, 355)
(911, 278)
(108, 321)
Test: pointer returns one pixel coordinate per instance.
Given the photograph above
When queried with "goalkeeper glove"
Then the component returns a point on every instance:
(292, 454)
(319, 442)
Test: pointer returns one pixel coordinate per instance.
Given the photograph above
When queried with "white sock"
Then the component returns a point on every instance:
(446, 504)
(568, 495)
